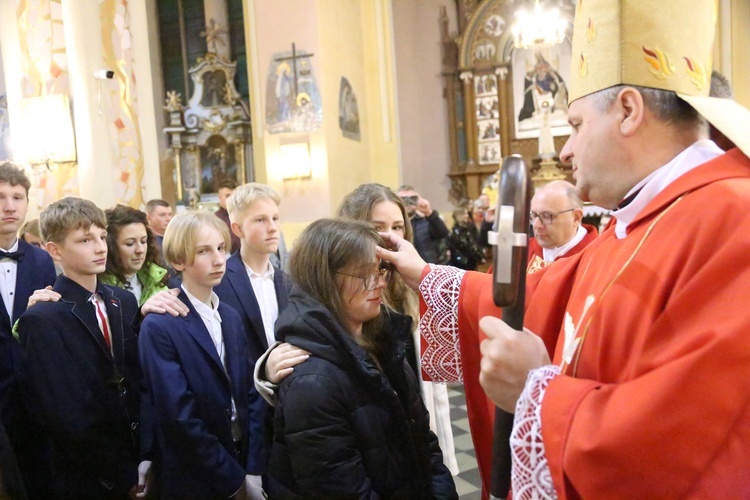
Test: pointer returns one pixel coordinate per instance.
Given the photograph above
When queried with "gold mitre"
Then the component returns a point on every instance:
(664, 44)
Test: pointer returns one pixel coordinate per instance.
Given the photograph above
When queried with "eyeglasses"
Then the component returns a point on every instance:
(546, 217)
(370, 281)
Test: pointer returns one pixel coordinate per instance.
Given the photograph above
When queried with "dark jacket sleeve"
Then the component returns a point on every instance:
(438, 229)
(320, 440)
(443, 485)
(256, 450)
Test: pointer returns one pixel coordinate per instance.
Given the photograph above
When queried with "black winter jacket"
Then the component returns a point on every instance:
(343, 428)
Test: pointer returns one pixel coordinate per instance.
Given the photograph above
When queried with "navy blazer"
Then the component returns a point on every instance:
(195, 454)
(84, 395)
(235, 290)
(34, 271)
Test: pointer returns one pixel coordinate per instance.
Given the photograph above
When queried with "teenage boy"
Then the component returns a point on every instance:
(197, 375)
(226, 188)
(251, 285)
(23, 269)
(80, 361)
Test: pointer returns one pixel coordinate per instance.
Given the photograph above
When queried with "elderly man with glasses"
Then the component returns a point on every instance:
(556, 214)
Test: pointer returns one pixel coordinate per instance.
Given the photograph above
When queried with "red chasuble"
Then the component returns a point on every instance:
(653, 335)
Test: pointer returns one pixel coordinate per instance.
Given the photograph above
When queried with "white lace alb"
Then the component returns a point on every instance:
(441, 359)
(530, 474)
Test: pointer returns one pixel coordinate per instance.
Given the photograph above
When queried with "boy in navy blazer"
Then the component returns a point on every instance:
(256, 289)
(80, 375)
(24, 269)
(251, 285)
(197, 375)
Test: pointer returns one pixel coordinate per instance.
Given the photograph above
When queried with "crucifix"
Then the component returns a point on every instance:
(294, 58)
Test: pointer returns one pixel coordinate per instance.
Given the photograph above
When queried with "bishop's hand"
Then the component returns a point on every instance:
(507, 357)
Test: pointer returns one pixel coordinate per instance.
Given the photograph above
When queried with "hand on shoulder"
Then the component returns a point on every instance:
(44, 295)
(165, 302)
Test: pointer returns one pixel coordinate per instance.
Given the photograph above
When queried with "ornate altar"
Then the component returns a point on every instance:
(503, 100)
(211, 136)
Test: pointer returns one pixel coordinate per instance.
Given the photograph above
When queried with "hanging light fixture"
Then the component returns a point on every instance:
(538, 28)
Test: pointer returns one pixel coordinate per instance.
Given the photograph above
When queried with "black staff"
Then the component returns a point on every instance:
(509, 289)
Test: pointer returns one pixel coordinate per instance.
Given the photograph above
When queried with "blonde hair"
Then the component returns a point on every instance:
(245, 195)
(179, 238)
(68, 214)
(31, 227)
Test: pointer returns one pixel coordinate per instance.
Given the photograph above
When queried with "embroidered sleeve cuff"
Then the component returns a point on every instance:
(530, 474)
(441, 356)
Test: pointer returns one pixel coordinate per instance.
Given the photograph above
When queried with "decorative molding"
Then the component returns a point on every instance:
(466, 75)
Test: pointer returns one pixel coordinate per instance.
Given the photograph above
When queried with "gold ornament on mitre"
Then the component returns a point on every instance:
(664, 45)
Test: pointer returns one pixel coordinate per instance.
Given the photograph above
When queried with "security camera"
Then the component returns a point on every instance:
(104, 74)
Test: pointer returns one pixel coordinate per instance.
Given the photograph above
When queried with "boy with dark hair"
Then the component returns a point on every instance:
(159, 214)
(23, 269)
(226, 187)
(80, 361)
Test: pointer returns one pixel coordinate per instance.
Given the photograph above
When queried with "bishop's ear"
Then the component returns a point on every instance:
(633, 109)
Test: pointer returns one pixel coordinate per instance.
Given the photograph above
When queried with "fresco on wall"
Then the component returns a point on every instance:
(293, 102)
(4, 129)
(348, 111)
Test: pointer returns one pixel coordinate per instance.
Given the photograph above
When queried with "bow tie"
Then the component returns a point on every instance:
(17, 255)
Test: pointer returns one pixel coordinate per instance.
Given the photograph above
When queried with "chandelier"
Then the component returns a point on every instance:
(539, 28)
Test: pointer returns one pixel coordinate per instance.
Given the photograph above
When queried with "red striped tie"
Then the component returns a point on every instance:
(103, 319)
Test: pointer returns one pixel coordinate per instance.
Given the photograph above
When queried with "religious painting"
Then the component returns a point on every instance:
(217, 164)
(348, 111)
(487, 109)
(293, 102)
(540, 93)
(485, 85)
(214, 83)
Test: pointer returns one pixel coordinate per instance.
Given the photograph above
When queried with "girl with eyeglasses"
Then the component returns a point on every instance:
(349, 421)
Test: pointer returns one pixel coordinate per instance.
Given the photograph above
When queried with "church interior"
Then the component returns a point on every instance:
(122, 101)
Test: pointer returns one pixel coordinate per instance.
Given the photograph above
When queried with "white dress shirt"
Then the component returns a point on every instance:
(211, 318)
(9, 269)
(265, 294)
(96, 297)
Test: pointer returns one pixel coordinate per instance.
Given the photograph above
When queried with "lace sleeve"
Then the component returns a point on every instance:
(441, 358)
(530, 474)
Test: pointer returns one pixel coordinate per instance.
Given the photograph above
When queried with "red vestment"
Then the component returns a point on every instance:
(655, 401)
(536, 253)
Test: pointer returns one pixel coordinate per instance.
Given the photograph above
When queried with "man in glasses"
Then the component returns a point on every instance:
(556, 215)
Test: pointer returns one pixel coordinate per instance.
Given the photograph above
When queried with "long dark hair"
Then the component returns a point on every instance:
(118, 217)
(325, 247)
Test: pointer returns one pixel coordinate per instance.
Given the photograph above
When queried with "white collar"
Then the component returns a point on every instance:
(202, 308)
(695, 155)
(552, 253)
(268, 273)
(11, 249)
